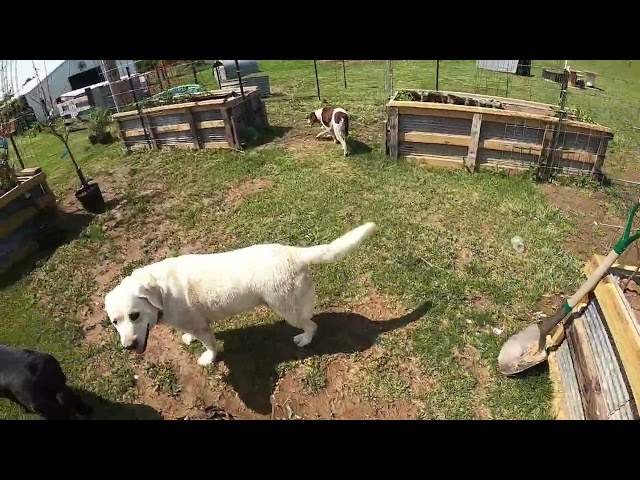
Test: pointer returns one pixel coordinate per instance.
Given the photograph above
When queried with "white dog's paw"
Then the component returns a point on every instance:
(187, 338)
(207, 358)
(302, 340)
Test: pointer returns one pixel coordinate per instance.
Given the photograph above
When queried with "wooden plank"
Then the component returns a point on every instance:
(199, 105)
(210, 124)
(28, 172)
(594, 404)
(216, 145)
(435, 138)
(487, 116)
(491, 144)
(234, 130)
(149, 133)
(22, 189)
(507, 115)
(394, 140)
(228, 127)
(180, 145)
(602, 148)
(193, 129)
(18, 219)
(623, 331)
(385, 138)
(547, 138)
(472, 152)
(178, 127)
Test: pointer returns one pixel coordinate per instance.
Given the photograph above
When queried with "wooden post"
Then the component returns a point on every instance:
(472, 152)
(437, 74)
(385, 138)
(194, 130)
(228, 126)
(393, 134)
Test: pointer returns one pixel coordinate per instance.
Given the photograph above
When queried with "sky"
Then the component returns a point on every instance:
(25, 68)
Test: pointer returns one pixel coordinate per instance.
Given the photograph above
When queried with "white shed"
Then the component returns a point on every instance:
(68, 76)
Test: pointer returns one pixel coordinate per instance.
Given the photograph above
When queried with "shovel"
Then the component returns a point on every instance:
(527, 348)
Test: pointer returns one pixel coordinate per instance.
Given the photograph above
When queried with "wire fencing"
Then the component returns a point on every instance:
(291, 88)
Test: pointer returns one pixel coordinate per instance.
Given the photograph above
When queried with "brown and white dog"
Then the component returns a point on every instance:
(335, 121)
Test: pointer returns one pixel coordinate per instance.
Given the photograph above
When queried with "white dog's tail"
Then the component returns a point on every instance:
(338, 249)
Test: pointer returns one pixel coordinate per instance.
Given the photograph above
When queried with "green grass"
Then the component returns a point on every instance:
(427, 218)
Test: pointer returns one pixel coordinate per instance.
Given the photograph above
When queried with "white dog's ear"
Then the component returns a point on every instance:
(148, 288)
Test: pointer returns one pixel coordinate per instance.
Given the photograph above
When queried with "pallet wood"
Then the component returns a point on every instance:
(191, 123)
(588, 382)
(473, 141)
(393, 134)
(23, 211)
(582, 151)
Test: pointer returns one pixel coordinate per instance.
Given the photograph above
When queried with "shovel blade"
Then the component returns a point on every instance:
(522, 351)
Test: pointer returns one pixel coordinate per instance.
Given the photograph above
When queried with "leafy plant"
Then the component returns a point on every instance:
(99, 121)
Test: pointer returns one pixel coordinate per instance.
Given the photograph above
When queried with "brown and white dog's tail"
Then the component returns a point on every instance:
(338, 249)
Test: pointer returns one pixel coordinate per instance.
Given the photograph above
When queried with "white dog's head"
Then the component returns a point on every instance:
(134, 307)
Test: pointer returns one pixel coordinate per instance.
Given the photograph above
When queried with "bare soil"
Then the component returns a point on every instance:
(269, 379)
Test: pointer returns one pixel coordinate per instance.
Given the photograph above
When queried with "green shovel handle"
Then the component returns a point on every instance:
(627, 240)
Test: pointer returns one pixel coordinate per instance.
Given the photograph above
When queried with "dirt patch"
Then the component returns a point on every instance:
(465, 257)
(338, 401)
(469, 358)
(271, 378)
(585, 209)
(632, 294)
(236, 193)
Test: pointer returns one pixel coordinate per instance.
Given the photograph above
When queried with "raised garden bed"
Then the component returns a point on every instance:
(595, 367)
(193, 120)
(463, 130)
(25, 211)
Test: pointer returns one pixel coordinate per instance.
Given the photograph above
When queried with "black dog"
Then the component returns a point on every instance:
(36, 382)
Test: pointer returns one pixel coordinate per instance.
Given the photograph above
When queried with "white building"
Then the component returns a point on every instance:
(68, 76)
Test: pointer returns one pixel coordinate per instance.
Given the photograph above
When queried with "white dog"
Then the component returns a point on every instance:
(191, 292)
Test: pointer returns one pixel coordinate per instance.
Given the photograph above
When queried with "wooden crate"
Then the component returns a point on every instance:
(596, 366)
(520, 136)
(23, 211)
(214, 123)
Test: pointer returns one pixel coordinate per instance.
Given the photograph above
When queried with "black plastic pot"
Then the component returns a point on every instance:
(91, 199)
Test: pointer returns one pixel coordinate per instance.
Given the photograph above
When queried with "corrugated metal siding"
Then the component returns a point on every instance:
(570, 389)
(228, 70)
(172, 138)
(421, 149)
(206, 115)
(579, 141)
(611, 378)
(508, 159)
(169, 119)
(130, 123)
(433, 124)
(262, 82)
(511, 132)
(212, 135)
